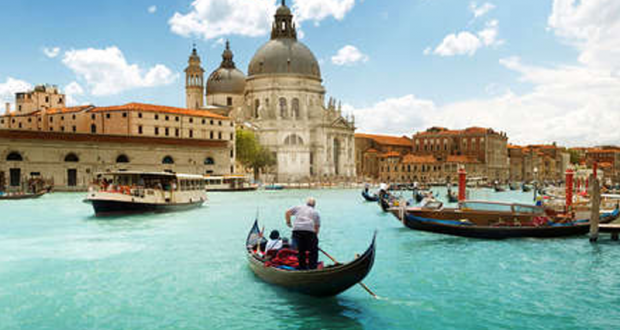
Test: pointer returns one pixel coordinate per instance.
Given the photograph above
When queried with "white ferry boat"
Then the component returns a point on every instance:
(229, 183)
(138, 192)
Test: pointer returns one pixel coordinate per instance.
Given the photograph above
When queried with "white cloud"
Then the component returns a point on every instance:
(572, 104)
(481, 10)
(106, 71)
(318, 10)
(349, 55)
(8, 90)
(592, 27)
(463, 43)
(211, 19)
(152, 9)
(51, 52)
(398, 116)
(467, 43)
(72, 90)
(215, 18)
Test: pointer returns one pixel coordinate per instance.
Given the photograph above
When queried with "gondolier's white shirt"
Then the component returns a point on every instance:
(306, 218)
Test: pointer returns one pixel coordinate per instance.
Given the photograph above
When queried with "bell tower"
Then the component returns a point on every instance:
(194, 82)
(283, 26)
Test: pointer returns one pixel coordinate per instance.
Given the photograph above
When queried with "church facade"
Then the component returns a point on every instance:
(282, 98)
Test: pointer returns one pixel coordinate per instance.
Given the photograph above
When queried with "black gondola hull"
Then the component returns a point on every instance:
(492, 232)
(370, 197)
(326, 282)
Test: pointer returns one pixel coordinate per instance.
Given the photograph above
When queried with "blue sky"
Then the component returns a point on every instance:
(541, 70)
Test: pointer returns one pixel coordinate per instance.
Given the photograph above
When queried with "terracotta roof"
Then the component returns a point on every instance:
(415, 159)
(53, 111)
(390, 154)
(462, 159)
(159, 109)
(98, 138)
(386, 139)
(372, 151)
(605, 165)
(445, 131)
(602, 151)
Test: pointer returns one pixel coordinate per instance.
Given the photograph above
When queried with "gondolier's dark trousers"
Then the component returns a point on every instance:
(306, 241)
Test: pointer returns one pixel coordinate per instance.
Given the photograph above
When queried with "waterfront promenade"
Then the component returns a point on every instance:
(62, 268)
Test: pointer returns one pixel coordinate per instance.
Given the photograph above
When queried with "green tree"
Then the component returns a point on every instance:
(251, 154)
(574, 156)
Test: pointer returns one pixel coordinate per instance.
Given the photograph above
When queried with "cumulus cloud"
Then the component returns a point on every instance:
(481, 10)
(318, 10)
(573, 104)
(9, 88)
(152, 9)
(51, 52)
(215, 18)
(106, 71)
(73, 90)
(463, 43)
(211, 19)
(349, 55)
(468, 43)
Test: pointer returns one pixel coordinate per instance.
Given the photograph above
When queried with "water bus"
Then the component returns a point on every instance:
(229, 183)
(128, 192)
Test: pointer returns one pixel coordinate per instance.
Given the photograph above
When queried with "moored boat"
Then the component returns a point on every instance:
(328, 281)
(370, 197)
(274, 187)
(17, 196)
(229, 183)
(130, 192)
(494, 220)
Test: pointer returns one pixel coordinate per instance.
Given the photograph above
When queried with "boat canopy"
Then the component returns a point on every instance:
(500, 207)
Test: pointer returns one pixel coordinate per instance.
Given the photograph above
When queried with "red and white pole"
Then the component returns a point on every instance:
(570, 174)
(462, 183)
(595, 169)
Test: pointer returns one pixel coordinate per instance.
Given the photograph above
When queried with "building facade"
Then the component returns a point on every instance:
(538, 162)
(68, 145)
(370, 150)
(283, 100)
(484, 147)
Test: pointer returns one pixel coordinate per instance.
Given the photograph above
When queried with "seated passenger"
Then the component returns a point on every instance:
(274, 242)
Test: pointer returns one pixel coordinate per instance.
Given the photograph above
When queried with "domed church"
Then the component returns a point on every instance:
(283, 99)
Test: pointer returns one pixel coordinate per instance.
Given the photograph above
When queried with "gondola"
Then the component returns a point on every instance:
(329, 281)
(526, 188)
(479, 220)
(498, 188)
(22, 196)
(370, 197)
(452, 197)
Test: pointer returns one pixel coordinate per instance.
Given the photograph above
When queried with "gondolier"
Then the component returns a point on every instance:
(305, 232)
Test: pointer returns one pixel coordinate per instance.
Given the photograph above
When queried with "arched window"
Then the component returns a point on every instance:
(293, 140)
(167, 160)
(283, 108)
(209, 161)
(295, 108)
(256, 106)
(72, 158)
(14, 156)
(122, 159)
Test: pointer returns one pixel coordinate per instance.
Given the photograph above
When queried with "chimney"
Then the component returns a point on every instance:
(8, 108)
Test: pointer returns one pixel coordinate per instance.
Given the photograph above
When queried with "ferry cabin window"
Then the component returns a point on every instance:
(209, 161)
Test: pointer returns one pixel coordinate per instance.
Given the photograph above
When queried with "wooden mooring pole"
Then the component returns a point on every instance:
(595, 197)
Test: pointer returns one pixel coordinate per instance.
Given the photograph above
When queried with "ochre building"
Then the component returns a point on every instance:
(371, 149)
(69, 145)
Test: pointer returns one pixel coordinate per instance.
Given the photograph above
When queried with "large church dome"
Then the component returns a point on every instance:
(283, 54)
(227, 79)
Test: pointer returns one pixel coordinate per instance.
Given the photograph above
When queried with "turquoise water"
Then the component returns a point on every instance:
(61, 268)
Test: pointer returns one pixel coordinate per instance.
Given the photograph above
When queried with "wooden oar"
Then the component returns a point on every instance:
(360, 283)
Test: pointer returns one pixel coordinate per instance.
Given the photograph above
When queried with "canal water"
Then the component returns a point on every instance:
(61, 268)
